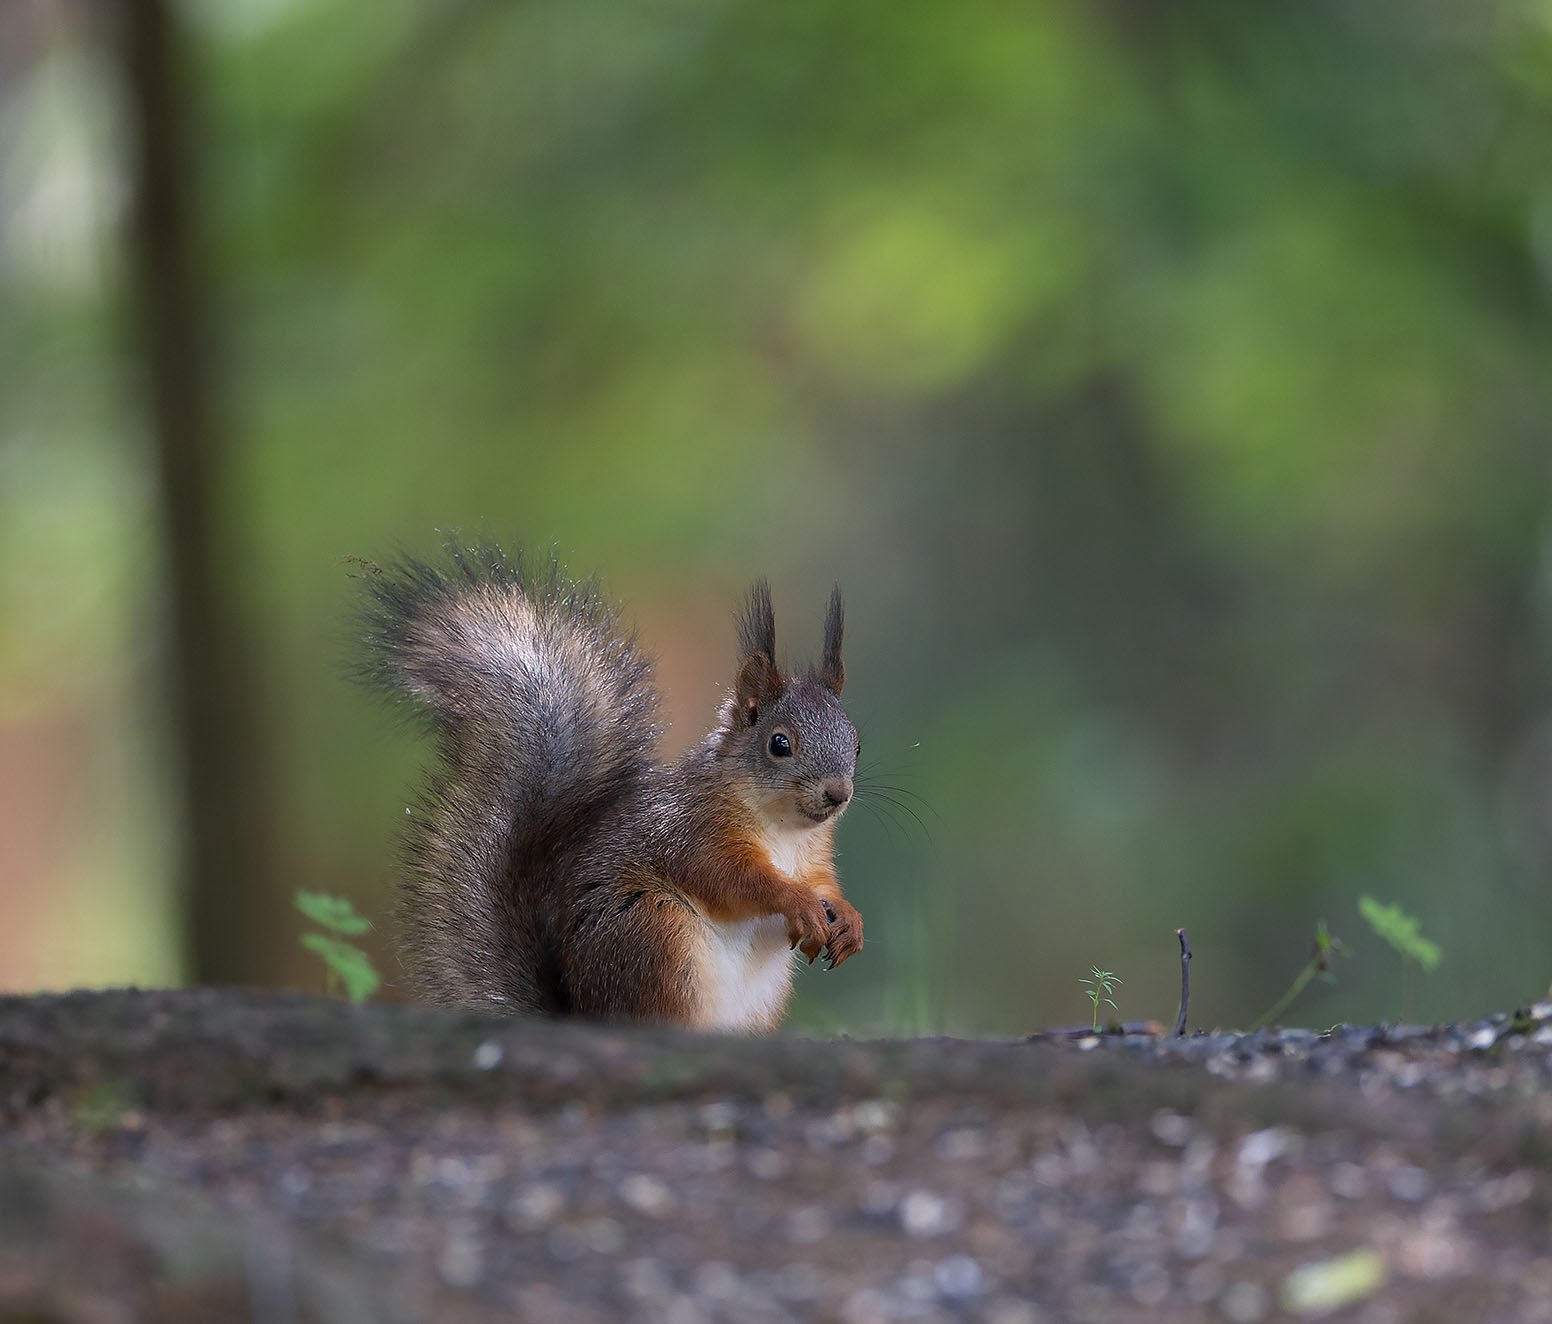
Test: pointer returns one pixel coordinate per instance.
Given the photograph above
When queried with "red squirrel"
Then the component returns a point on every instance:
(553, 864)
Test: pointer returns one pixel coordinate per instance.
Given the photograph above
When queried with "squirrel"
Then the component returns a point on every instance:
(553, 864)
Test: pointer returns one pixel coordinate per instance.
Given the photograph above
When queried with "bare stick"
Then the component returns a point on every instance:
(1185, 982)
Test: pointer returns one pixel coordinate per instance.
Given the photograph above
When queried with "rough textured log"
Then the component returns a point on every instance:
(396, 1160)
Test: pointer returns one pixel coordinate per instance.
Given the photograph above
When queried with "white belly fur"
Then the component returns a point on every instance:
(745, 973)
(746, 969)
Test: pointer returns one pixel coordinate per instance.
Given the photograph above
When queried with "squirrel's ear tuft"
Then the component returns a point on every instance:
(832, 670)
(759, 679)
(757, 623)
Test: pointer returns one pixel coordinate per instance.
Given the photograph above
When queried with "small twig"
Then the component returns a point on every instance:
(1185, 982)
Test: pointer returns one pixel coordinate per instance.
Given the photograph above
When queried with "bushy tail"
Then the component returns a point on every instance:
(544, 714)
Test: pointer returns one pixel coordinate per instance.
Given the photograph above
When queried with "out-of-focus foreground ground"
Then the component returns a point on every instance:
(202, 1155)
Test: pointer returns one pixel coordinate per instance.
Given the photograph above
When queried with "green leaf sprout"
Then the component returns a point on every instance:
(345, 963)
(1100, 989)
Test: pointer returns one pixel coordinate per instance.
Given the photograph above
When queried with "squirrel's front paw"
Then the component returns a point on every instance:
(808, 923)
(845, 937)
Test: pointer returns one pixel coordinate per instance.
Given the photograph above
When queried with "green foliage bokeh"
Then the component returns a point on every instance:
(1167, 385)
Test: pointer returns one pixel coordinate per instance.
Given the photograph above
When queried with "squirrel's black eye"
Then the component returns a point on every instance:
(781, 747)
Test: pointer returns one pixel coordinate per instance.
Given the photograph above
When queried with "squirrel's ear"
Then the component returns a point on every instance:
(832, 671)
(759, 680)
(759, 684)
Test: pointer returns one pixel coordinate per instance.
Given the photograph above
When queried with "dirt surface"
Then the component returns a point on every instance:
(224, 1155)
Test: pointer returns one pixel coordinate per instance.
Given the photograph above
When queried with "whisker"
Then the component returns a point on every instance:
(915, 818)
(873, 766)
(885, 817)
(882, 797)
(872, 810)
(887, 820)
(880, 774)
(906, 792)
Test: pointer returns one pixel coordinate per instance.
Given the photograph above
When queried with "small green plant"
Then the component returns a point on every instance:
(1327, 946)
(1404, 934)
(103, 1106)
(1101, 988)
(345, 963)
(1321, 1286)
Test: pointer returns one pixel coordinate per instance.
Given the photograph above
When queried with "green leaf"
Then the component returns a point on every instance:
(332, 912)
(1401, 931)
(350, 964)
(1321, 1286)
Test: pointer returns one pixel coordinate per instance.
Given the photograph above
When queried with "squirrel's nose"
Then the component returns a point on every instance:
(837, 791)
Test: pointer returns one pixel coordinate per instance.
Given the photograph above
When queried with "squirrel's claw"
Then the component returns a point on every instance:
(845, 939)
(808, 925)
(822, 926)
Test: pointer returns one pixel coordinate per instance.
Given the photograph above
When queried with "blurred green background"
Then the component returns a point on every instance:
(1167, 384)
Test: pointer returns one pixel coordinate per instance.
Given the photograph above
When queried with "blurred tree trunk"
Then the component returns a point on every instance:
(232, 916)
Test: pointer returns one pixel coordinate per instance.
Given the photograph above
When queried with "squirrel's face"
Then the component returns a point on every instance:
(798, 753)
(794, 748)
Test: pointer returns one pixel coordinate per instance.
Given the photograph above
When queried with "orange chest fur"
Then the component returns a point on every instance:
(805, 856)
(741, 957)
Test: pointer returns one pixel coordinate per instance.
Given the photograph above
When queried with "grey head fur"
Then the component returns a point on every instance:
(789, 736)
